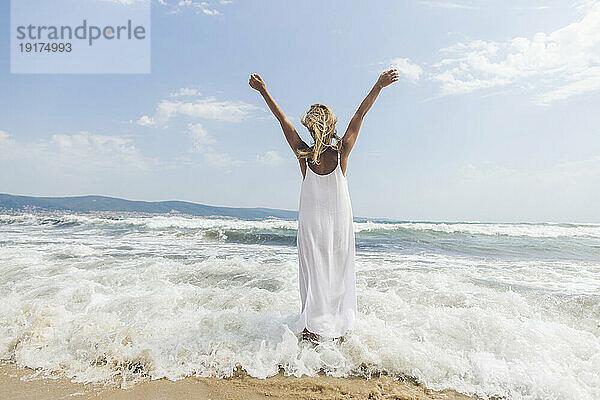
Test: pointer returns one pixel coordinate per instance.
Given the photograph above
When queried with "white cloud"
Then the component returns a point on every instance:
(146, 121)
(202, 143)
(99, 152)
(86, 154)
(184, 92)
(5, 138)
(82, 152)
(200, 7)
(207, 108)
(586, 4)
(587, 82)
(210, 11)
(411, 72)
(201, 140)
(440, 4)
(560, 64)
(221, 159)
(270, 158)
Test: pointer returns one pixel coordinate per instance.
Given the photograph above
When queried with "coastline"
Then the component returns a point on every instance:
(15, 383)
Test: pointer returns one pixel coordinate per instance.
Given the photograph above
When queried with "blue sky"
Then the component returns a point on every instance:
(495, 117)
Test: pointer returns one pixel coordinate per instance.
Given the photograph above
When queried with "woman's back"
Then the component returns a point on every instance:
(327, 162)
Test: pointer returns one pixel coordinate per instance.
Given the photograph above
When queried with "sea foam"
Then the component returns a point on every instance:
(104, 300)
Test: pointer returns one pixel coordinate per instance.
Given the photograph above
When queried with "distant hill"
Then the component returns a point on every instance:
(86, 204)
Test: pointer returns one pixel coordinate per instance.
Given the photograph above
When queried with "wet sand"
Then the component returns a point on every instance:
(17, 383)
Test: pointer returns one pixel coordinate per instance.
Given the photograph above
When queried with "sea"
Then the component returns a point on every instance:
(496, 310)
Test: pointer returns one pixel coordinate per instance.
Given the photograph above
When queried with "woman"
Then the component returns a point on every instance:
(325, 228)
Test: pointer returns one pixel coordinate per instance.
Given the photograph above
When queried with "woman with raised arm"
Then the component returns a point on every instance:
(325, 221)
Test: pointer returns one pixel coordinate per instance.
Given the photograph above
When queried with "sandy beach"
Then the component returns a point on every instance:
(19, 383)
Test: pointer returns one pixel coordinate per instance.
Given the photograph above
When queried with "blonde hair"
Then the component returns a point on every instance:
(320, 122)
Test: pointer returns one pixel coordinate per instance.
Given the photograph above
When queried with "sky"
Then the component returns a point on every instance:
(495, 117)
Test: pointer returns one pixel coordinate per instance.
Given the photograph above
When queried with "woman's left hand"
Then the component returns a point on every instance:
(387, 78)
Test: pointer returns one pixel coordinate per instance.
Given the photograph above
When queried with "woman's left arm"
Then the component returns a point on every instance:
(385, 79)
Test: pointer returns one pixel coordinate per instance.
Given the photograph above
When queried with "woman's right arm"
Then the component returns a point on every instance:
(289, 131)
(385, 79)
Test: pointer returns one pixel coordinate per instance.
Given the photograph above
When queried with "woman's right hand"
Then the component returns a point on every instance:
(256, 82)
(387, 78)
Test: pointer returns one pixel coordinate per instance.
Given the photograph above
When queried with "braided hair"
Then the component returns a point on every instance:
(320, 122)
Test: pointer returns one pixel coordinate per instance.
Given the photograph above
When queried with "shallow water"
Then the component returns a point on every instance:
(492, 309)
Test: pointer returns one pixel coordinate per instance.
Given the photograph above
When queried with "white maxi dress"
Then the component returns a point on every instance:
(326, 255)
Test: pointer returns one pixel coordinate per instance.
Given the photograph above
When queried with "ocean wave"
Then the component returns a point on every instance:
(541, 230)
(153, 222)
(124, 298)
(449, 322)
(544, 230)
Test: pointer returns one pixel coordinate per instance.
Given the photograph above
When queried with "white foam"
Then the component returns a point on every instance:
(107, 308)
(550, 230)
(531, 230)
